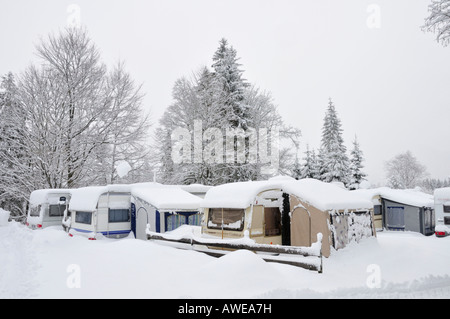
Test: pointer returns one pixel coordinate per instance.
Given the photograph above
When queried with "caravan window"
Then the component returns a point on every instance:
(272, 221)
(118, 215)
(56, 210)
(446, 208)
(35, 211)
(377, 210)
(83, 217)
(232, 219)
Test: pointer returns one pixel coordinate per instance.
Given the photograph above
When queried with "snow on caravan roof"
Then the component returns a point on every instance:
(41, 195)
(325, 196)
(411, 197)
(167, 197)
(86, 198)
(237, 195)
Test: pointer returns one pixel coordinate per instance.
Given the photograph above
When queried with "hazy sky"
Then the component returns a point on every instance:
(389, 80)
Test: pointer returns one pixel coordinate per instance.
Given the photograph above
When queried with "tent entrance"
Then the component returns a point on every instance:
(395, 218)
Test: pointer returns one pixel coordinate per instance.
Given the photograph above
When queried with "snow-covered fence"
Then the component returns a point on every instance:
(311, 256)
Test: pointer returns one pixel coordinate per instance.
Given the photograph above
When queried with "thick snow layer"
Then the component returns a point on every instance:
(411, 197)
(237, 195)
(86, 198)
(326, 196)
(167, 197)
(50, 264)
(40, 196)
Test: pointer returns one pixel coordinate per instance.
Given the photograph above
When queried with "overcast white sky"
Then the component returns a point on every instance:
(390, 85)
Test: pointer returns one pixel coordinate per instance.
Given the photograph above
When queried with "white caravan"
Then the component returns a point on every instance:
(442, 210)
(100, 211)
(47, 207)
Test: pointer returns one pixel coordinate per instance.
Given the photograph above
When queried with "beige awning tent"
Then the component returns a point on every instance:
(327, 208)
(314, 207)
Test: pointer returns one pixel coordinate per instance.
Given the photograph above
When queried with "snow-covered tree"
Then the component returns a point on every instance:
(438, 20)
(219, 100)
(335, 163)
(127, 136)
(307, 170)
(356, 166)
(227, 71)
(75, 120)
(405, 171)
(14, 159)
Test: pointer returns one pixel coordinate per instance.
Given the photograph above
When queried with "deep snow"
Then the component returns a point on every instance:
(48, 263)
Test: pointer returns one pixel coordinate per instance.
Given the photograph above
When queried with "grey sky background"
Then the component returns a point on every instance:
(389, 81)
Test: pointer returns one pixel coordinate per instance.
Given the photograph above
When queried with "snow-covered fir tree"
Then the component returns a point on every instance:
(307, 171)
(228, 72)
(356, 166)
(220, 99)
(335, 162)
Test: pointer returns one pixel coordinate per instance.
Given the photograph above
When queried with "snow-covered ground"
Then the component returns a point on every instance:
(49, 264)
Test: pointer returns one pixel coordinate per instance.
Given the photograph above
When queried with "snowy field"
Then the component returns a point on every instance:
(49, 264)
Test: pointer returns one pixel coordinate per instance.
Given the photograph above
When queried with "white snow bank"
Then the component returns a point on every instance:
(411, 197)
(41, 264)
(4, 217)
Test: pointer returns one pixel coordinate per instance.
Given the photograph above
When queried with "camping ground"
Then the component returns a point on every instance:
(48, 263)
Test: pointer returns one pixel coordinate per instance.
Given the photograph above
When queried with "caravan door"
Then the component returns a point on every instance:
(141, 223)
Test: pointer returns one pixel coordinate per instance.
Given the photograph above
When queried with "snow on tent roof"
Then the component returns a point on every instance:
(411, 197)
(195, 188)
(41, 195)
(325, 196)
(167, 197)
(236, 195)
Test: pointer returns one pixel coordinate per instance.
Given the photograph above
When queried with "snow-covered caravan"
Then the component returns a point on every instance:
(442, 210)
(101, 210)
(47, 207)
(403, 209)
(230, 210)
(318, 207)
(288, 213)
(163, 208)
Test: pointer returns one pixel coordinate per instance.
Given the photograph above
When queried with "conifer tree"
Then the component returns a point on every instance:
(335, 166)
(356, 166)
(307, 170)
(227, 70)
